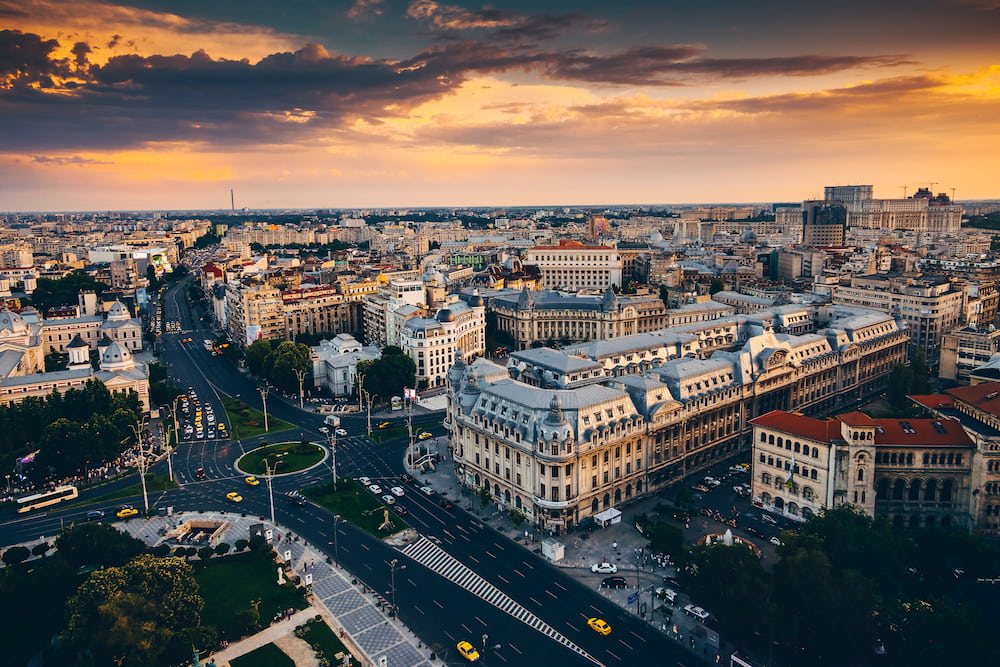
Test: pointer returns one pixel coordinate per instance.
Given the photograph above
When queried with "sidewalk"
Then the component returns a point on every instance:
(616, 543)
(270, 634)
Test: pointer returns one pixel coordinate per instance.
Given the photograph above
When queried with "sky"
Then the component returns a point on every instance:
(169, 104)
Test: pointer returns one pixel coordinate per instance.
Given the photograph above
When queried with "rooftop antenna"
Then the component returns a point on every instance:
(953, 194)
(904, 191)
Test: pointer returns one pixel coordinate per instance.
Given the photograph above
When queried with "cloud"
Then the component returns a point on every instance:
(362, 9)
(450, 17)
(61, 160)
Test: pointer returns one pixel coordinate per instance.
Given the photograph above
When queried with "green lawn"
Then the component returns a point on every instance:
(383, 434)
(287, 456)
(323, 640)
(231, 583)
(246, 422)
(267, 655)
(154, 484)
(355, 504)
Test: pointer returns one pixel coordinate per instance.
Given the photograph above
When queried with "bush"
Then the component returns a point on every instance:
(40, 549)
(16, 555)
(258, 543)
(242, 544)
(222, 548)
(160, 550)
(205, 552)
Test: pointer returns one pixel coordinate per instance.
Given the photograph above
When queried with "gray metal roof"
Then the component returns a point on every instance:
(546, 357)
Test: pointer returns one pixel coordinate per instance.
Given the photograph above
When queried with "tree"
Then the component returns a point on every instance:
(666, 538)
(256, 354)
(717, 286)
(898, 386)
(206, 552)
(40, 549)
(286, 360)
(388, 375)
(98, 545)
(135, 610)
(16, 555)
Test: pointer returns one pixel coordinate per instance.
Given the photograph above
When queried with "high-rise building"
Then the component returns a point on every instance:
(848, 194)
(824, 223)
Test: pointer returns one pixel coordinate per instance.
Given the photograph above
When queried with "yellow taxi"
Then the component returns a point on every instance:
(126, 512)
(234, 497)
(599, 626)
(252, 481)
(468, 651)
(385, 425)
(425, 435)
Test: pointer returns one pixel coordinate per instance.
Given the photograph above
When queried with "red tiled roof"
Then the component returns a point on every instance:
(946, 433)
(933, 401)
(985, 396)
(793, 423)
(856, 419)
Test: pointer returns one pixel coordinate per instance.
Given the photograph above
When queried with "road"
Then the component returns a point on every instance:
(438, 610)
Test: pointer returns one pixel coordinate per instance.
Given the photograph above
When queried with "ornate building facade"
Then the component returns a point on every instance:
(564, 435)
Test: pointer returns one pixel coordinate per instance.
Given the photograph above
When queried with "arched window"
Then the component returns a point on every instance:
(882, 489)
(763, 437)
(812, 474)
(618, 496)
(898, 489)
(930, 491)
(914, 493)
(909, 459)
(815, 453)
(861, 474)
(594, 506)
(946, 489)
(607, 500)
(628, 490)
(796, 448)
(765, 478)
(781, 441)
(770, 439)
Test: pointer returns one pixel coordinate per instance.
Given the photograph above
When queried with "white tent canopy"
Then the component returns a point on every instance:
(608, 516)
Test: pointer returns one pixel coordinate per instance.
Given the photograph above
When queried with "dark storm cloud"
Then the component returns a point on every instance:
(297, 97)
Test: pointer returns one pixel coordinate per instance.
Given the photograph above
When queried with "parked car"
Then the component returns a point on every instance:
(697, 612)
(775, 541)
(425, 435)
(252, 481)
(614, 582)
(365, 481)
(95, 515)
(399, 509)
(340, 431)
(668, 594)
(426, 490)
(767, 518)
(701, 488)
(604, 567)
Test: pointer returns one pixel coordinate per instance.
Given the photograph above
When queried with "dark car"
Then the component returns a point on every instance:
(200, 473)
(399, 509)
(614, 582)
(445, 503)
(295, 498)
(95, 515)
(406, 478)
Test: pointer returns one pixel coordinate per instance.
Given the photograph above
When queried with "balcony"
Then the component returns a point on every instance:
(552, 504)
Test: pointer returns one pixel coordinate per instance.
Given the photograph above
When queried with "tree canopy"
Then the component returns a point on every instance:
(97, 544)
(388, 375)
(137, 610)
(279, 362)
(64, 291)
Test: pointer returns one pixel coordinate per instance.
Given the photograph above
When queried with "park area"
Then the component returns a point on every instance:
(355, 504)
(281, 458)
(242, 591)
(246, 422)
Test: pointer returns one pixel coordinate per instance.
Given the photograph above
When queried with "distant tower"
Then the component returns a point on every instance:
(79, 353)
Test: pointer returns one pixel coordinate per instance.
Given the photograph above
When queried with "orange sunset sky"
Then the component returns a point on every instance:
(375, 103)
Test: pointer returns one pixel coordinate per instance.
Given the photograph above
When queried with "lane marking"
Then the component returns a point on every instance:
(519, 572)
(554, 596)
(503, 579)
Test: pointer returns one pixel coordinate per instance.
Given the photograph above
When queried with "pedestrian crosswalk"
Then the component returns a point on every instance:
(438, 560)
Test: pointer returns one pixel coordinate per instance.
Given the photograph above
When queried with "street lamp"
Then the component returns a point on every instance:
(269, 471)
(336, 545)
(393, 566)
(263, 401)
(331, 438)
(362, 394)
(138, 429)
(300, 376)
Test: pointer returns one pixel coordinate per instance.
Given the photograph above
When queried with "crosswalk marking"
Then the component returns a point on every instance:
(438, 560)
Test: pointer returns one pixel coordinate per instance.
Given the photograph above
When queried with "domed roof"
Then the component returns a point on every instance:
(476, 301)
(118, 312)
(655, 237)
(116, 356)
(12, 323)
(445, 315)
(77, 342)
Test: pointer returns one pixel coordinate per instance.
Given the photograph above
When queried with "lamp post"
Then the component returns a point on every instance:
(331, 439)
(300, 375)
(263, 401)
(138, 429)
(362, 394)
(393, 566)
(269, 471)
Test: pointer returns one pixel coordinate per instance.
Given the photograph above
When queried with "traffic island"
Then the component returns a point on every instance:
(281, 458)
(357, 505)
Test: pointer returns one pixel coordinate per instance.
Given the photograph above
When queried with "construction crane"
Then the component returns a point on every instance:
(904, 190)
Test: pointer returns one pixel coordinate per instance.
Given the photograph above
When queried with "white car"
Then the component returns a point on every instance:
(604, 568)
(340, 431)
(668, 594)
(397, 491)
(426, 490)
(775, 541)
(699, 613)
(365, 481)
(375, 488)
(388, 500)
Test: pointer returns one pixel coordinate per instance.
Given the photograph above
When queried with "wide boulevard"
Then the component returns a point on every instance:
(440, 612)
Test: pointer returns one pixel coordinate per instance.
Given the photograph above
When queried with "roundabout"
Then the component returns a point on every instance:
(281, 458)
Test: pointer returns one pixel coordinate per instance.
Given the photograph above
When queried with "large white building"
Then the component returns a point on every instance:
(335, 363)
(564, 435)
(458, 330)
(573, 266)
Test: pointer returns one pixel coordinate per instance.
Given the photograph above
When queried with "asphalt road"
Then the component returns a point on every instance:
(440, 612)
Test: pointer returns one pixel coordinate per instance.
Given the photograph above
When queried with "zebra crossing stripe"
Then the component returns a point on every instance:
(438, 560)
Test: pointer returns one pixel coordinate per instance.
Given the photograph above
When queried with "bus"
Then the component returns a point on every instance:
(46, 498)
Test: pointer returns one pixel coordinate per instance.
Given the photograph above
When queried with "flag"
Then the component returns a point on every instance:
(791, 473)
(410, 394)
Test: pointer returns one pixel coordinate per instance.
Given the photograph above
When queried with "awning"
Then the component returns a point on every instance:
(610, 515)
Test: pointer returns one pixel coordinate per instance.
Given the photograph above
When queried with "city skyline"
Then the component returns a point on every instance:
(378, 104)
